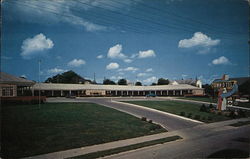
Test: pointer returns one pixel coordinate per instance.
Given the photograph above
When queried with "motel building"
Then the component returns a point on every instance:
(60, 90)
(11, 86)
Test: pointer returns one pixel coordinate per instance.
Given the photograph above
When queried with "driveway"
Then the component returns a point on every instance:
(168, 121)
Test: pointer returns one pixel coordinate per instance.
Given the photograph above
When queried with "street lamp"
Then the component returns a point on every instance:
(39, 91)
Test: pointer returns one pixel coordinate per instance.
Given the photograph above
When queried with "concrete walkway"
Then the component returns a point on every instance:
(199, 131)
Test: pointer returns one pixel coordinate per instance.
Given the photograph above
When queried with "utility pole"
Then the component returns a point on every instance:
(39, 91)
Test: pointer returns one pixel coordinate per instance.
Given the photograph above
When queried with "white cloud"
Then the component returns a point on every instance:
(128, 60)
(112, 66)
(133, 69)
(37, 44)
(55, 70)
(146, 54)
(198, 39)
(76, 63)
(150, 80)
(142, 74)
(149, 70)
(48, 12)
(115, 52)
(116, 78)
(100, 56)
(23, 76)
(221, 61)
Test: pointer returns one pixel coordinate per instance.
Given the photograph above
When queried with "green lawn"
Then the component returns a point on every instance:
(191, 110)
(203, 99)
(28, 130)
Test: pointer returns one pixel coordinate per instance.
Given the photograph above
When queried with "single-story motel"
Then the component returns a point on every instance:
(11, 86)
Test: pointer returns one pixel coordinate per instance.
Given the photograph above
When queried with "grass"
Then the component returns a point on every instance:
(189, 110)
(203, 99)
(240, 123)
(127, 148)
(28, 130)
(230, 153)
(242, 104)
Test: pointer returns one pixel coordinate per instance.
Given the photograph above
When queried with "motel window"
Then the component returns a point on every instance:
(7, 91)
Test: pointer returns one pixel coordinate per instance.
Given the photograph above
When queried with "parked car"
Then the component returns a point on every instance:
(151, 95)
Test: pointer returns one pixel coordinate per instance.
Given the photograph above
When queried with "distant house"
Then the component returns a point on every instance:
(193, 82)
(11, 86)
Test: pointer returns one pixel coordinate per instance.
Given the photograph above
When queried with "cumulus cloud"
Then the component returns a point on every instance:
(100, 56)
(198, 39)
(150, 80)
(149, 70)
(55, 70)
(221, 61)
(142, 74)
(133, 69)
(76, 63)
(112, 66)
(35, 45)
(128, 60)
(115, 52)
(146, 54)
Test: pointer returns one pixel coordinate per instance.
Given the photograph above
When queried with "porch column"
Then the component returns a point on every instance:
(52, 93)
(167, 92)
(61, 93)
(174, 92)
(181, 92)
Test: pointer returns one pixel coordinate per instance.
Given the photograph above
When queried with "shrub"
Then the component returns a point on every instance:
(197, 117)
(242, 113)
(182, 113)
(211, 106)
(209, 118)
(154, 127)
(189, 115)
(143, 118)
(219, 113)
(203, 108)
(150, 121)
(203, 118)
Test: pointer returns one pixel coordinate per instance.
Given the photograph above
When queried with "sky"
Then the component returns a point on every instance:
(139, 40)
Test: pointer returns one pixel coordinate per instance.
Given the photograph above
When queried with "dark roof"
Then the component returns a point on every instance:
(10, 79)
(240, 80)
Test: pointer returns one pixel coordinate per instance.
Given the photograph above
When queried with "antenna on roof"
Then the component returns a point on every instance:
(94, 78)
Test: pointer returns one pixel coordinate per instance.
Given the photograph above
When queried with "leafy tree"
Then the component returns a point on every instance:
(138, 84)
(66, 77)
(208, 90)
(108, 82)
(163, 81)
(122, 82)
(153, 84)
(244, 89)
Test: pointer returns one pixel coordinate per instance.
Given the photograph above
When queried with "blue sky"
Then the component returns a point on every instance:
(134, 39)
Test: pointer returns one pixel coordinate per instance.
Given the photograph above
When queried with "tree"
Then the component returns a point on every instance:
(208, 90)
(108, 82)
(138, 83)
(244, 89)
(163, 81)
(153, 84)
(122, 82)
(66, 77)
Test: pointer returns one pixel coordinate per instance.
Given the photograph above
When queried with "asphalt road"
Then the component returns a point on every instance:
(200, 146)
(168, 121)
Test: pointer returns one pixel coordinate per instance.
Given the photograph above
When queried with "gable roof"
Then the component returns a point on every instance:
(10, 79)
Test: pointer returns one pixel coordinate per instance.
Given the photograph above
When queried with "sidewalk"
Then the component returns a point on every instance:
(188, 133)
